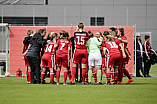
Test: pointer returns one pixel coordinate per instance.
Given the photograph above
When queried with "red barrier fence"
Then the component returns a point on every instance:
(18, 33)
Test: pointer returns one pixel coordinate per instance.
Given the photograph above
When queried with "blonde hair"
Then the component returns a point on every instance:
(48, 36)
(29, 32)
(32, 31)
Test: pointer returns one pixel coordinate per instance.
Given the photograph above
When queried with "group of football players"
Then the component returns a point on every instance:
(107, 54)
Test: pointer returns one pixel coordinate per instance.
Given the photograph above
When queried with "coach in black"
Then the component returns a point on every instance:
(33, 54)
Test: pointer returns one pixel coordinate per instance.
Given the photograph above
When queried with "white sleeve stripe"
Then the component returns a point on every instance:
(52, 61)
(153, 51)
(145, 49)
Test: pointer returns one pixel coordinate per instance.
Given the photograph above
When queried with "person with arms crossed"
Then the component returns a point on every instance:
(139, 56)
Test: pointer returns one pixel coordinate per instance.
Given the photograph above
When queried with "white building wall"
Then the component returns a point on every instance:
(143, 13)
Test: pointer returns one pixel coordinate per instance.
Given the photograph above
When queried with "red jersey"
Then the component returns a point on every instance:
(101, 47)
(80, 40)
(49, 48)
(125, 45)
(25, 47)
(146, 48)
(112, 48)
(117, 41)
(63, 46)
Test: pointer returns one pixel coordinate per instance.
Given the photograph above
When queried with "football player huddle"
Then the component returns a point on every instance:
(97, 54)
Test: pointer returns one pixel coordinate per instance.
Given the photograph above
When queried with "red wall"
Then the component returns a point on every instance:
(18, 33)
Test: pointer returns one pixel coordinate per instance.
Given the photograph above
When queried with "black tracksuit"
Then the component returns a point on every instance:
(34, 57)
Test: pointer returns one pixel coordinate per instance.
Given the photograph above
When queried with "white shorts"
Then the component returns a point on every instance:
(94, 59)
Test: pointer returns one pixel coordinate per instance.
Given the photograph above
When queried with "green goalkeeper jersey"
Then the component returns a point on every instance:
(93, 45)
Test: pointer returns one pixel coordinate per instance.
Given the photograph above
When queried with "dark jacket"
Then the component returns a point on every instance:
(37, 43)
(138, 51)
(72, 39)
(26, 40)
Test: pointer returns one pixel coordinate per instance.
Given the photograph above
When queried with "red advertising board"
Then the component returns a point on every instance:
(18, 33)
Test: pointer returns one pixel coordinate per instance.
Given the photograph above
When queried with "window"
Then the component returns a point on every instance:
(26, 21)
(41, 21)
(97, 21)
(92, 21)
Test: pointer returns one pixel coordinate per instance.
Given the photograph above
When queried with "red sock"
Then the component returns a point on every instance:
(58, 75)
(104, 71)
(69, 74)
(51, 76)
(29, 76)
(94, 75)
(126, 73)
(120, 72)
(116, 75)
(83, 74)
(42, 76)
(73, 73)
(108, 75)
(65, 75)
(112, 74)
(86, 76)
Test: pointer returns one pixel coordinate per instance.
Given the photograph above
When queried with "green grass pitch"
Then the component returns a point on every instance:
(143, 90)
